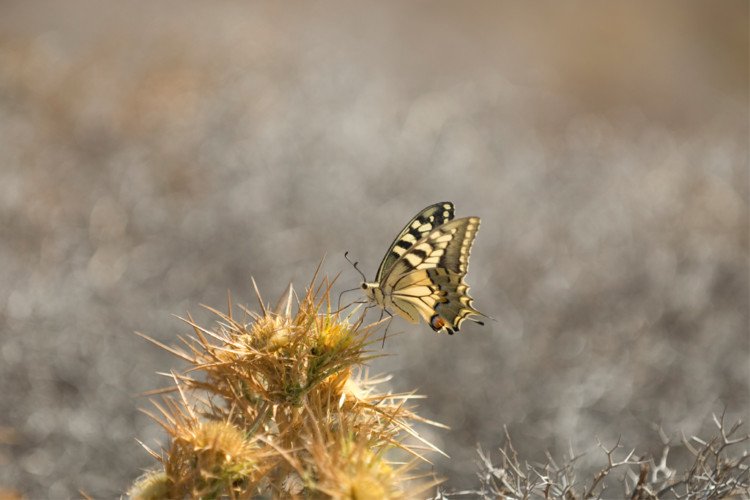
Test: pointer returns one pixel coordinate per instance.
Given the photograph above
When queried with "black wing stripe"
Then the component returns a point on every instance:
(421, 254)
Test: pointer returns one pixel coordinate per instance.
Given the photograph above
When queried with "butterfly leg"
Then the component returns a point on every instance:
(390, 318)
(338, 305)
(342, 309)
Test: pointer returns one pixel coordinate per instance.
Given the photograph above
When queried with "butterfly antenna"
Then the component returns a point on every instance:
(354, 264)
(346, 256)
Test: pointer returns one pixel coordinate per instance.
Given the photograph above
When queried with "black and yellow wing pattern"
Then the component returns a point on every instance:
(417, 228)
(422, 275)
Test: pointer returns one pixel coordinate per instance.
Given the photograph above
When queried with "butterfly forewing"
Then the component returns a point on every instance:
(421, 225)
(447, 246)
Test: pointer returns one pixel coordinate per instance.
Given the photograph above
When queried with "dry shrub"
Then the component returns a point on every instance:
(718, 469)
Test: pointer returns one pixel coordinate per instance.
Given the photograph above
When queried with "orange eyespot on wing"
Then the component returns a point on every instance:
(436, 322)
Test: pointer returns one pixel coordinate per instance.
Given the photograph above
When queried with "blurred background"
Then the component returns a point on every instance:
(155, 155)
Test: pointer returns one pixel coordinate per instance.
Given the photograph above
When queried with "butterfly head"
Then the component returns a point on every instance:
(369, 289)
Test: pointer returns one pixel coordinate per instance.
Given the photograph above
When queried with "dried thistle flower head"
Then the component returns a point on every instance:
(154, 485)
(207, 458)
(270, 332)
(349, 468)
(276, 402)
(211, 447)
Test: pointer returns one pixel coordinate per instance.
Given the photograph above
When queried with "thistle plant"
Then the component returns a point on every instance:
(278, 402)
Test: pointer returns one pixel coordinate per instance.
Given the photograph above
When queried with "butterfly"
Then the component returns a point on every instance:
(422, 273)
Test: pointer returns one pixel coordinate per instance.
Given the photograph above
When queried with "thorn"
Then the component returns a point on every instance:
(260, 299)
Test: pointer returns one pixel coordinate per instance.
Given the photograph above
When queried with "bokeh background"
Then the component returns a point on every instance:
(154, 155)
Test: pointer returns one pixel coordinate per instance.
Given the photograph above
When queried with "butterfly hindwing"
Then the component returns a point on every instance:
(421, 225)
(457, 305)
(427, 279)
(438, 296)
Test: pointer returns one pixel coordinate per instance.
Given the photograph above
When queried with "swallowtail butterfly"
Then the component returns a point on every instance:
(422, 274)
